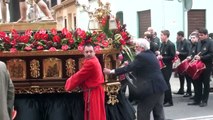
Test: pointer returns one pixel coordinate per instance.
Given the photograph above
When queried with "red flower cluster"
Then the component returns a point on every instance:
(56, 40)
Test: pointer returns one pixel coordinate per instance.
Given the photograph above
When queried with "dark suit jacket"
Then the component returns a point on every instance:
(149, 79)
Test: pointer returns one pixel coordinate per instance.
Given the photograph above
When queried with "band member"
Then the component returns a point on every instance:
(167, 54)
(154, 36)
(183, 49)
(193, 51)
(205, 48)
(153, 46)
(90, 78)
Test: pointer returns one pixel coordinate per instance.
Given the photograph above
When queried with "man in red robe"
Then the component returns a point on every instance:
(90, 78)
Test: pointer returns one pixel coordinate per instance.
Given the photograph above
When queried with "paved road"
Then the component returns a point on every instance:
(181, 111)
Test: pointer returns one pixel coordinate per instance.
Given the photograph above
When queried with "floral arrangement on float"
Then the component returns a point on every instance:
(53, 40)
(102, 37)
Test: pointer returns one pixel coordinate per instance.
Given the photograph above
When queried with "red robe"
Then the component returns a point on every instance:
(90, 78)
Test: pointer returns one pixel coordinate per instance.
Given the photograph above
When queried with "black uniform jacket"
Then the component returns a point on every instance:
(167, 50)
(205, 47)
(183, 47)
(149, 79)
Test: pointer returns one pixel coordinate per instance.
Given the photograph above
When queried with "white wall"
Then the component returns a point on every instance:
(165, 14)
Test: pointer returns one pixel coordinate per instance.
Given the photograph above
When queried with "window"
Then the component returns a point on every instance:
(119, 16)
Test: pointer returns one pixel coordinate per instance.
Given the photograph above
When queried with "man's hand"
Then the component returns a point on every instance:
(159, 57)
(157, 52)
(197, 57)
(189, 58)
(106, 71)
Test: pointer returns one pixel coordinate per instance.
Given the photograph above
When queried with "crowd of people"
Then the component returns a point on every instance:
(199, 46)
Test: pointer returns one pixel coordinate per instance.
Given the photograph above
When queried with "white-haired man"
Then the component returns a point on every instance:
(149, 83)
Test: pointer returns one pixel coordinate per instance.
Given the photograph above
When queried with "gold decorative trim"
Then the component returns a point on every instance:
(39, 90)
(52, 68)
(17, 69)
(51, 53)
(80, 63)
(70, 67)
(34, 68)
(112, 90)
(107, 64)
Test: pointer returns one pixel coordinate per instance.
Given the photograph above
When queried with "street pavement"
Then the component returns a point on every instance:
(182, 111)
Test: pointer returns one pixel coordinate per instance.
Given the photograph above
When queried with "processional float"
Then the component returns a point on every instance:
(40, 61)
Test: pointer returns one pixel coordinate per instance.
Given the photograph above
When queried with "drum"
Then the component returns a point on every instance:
(162, 65)
(175, 62)
(182, 68)
(195, 69)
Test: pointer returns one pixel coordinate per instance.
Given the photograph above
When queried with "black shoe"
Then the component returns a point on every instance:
(179, 93)
(203, 104)
(187, 95)
(167, 104)
(192, 98)
(194, 103)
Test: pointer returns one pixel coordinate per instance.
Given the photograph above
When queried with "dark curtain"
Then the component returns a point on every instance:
(121, 111)
(49, 106)
(66, 106)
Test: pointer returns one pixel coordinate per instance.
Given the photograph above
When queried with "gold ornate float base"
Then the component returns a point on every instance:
(38, 72)
(112, 90)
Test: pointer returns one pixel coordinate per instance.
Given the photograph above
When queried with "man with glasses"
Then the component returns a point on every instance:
(150, 84)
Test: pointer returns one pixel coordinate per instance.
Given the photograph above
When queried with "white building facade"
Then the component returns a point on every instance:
(162, 14)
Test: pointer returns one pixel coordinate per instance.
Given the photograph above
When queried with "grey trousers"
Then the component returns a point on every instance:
(152, 103)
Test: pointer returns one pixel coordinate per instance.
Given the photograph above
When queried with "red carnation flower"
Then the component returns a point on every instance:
(24, 39)
(44, 36)
(64, 31)
(28, 48)
(28, 32)
(42, 31)
(40, 47)
(6, 40)
(54, 31)
(37, 36)
(52, 49)
(12, 50)
(2, 34)
(64, 47)
(56, 39)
